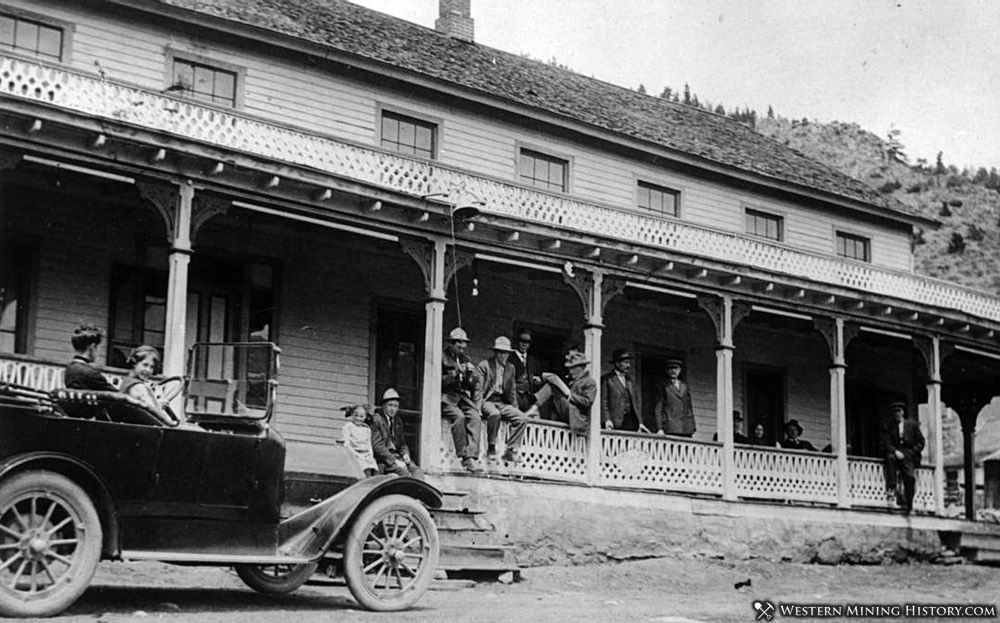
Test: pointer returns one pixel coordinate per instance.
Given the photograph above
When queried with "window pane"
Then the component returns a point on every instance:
(26, 36)
(643, 200)
(406, 134)
(50, 42)
(6, 31)
(526, 165)
(183, 75)
(423, 140)
(390, 130)
(203, 79)
(225, 86)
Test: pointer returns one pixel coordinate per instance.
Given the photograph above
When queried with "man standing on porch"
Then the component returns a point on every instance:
(80, 371)
(459, 396)
(496, 377)
(571, 402)
(903, 443)
(527, 371)
(674, 413)
(619, 400)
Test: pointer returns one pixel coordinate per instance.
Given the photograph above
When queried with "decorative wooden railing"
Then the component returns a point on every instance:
(867, 485)
(663, 463)
(785, 474)
(95, 97)
(39, 374)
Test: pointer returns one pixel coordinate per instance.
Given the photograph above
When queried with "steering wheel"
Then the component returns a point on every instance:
(169, 388)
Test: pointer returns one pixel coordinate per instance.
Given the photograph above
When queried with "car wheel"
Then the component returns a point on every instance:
(391, 553)
(275, 579)
(50, 543)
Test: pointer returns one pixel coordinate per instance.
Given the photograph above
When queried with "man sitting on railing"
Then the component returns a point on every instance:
(499, 401)
(80, 372)
(903, 442)
(571, 402)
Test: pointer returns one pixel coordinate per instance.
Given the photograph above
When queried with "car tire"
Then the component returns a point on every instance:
(275, 579)
(50, 543)
(391, 553)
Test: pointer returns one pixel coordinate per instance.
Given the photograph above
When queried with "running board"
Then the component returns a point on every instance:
(212, 558)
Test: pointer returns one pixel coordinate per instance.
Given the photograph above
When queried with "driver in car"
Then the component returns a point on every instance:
(143, 361)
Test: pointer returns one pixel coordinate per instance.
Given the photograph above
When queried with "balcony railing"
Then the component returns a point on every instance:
(103, 99)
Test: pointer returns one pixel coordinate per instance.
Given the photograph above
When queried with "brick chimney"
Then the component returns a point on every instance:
(455, 20)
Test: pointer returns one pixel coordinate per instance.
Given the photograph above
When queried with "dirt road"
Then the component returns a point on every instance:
(658, 590)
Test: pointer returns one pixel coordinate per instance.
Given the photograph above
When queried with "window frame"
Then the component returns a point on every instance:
(849, 234)
(519, 150)
(749, 210)
(67, 28)
(676, 192)
(172, 56)
(27, 302)
(436, 123)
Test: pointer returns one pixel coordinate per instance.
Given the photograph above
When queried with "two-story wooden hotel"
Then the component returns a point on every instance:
(191, 170)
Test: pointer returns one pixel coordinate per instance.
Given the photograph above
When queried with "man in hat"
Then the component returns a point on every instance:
(619, 399)
(793, 437)
(527, 370)
(388, 441)
(459, 399)
(499, 401)
(572, 403)
(903, 443)
(674, 413)
(738, 437)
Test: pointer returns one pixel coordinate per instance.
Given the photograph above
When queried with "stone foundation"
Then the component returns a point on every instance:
(569, 524)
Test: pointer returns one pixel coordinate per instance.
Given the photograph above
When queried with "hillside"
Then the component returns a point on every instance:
(965, 249)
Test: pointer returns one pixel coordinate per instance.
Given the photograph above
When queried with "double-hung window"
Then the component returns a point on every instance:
(657, 199)
(543, 171)
(408, 135)
(854, 247)
(765, 225)
(28, 36)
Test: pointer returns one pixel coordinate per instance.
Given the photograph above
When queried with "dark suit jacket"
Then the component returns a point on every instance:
(388, 441)
(487, 371)
(674, 414)
(81, 374)
(911, 444)
(618, 400)
(523, 385)
(457, 386)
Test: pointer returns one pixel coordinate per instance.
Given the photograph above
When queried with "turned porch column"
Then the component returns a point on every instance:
(725, 315)
(834, 329)
(594, 291)
(930, 348)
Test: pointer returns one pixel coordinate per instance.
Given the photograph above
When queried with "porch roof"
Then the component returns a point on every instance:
(542, 87)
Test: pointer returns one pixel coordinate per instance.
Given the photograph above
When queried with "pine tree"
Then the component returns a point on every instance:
(642, 88)
(720, 110)
(667, 93)
(770, 112)
(939, 168)
(687, 93)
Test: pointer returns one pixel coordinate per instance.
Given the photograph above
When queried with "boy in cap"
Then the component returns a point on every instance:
(619, 399)
(903, 443)
(388, 441)
(674, 413)
(80, 371)
(571, 402)
(499, 400)
(459, 399)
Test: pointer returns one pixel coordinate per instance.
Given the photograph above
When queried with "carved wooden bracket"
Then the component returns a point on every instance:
(423, 254)
(164, 198)
(925, 346)
(456, 261)
(715, 307)
(583, 285)
(611, 288)
(203, 208)
(828, 329)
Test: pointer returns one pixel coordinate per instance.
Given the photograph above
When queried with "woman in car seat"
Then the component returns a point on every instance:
(143, 361)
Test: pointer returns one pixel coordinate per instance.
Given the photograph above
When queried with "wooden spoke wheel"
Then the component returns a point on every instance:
(50, 543)
(391, 553)
(275, 579)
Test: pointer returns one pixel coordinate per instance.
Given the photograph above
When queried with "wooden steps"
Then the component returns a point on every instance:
(980, 547)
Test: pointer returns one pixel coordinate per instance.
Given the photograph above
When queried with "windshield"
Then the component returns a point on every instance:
(231, 380)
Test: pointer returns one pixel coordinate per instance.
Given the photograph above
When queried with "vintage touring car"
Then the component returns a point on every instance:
(88, 475)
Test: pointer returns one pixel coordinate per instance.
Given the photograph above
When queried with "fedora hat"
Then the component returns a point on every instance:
(458, 334)
(576, 358)
(795, 424)
(390, 394)
(502, 344)
(620, 354)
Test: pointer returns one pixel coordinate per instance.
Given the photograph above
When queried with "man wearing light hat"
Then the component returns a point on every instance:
(571, 402)
(619, 399)
(388, 441)
(459, 399)
(499, 400)
(903, 443)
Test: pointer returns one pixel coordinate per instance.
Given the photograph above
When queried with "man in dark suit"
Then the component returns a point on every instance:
(619, 398)
(499, 401)
(674, 413)
(527, 371)
(460, 399)
(572, 403)
(903, 442)
(80, 372)
(388, 440)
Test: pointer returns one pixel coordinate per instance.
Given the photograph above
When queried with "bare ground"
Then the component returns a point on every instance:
(662, 590)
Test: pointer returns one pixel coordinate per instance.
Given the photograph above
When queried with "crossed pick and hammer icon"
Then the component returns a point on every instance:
(765, 610)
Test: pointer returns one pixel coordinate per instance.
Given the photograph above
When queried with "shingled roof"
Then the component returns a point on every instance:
(691, 131)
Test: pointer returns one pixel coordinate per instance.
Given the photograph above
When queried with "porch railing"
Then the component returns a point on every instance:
(104, 99)
(774, 473)
(40, 374)
(663, 463)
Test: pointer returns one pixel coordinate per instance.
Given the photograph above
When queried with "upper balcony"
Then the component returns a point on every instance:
(121, 106)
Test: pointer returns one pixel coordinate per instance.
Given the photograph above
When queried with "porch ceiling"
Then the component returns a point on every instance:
(532, 227)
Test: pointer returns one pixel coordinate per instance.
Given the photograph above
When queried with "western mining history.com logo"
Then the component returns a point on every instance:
(767, 610)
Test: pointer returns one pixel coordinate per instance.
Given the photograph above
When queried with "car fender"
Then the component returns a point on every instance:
(312, 532)
(83, 475)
